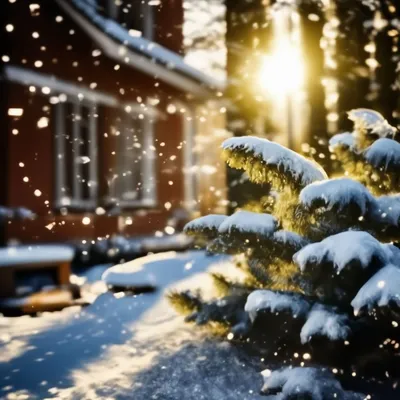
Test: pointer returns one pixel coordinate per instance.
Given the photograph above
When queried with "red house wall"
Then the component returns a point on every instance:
(59, 50)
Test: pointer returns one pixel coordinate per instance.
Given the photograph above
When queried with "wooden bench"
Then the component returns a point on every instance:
(20, 259)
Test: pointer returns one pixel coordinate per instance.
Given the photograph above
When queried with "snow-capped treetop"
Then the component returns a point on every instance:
(325, 322)
(306, 382)
(249, 222)
(365, 118)
(342, 249)
(383, 153)
(338, 193)
(342, 139)
(276, 302)
(291, 239)
(368, 118)
(210, 222)
(382, 288)
(387, 208)
(273, 154)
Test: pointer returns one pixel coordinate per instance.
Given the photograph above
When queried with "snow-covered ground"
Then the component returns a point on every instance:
(126, 347)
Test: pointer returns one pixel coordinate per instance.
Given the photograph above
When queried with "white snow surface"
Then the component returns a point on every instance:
(275, 302)
(249, 222)
(342, 248)
(35, 254)
(383, 153)
(338, 192)
(303, 170)
(342, 139)
(211, 222)
(127, 347)
(388, 208)
(382, 288)
(324, 322)
(311, 382)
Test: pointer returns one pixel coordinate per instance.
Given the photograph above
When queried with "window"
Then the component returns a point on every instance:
(134, 181)
(131, 14)
(75, 154)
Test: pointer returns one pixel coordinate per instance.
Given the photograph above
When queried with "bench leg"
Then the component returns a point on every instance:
(64, 272)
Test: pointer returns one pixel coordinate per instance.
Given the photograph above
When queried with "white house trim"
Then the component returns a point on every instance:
(27, 77)
(175, 71)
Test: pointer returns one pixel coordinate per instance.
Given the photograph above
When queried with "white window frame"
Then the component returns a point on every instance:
(75, 200)
(148, 174)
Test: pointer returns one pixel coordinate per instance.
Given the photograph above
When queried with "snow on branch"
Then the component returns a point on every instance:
(343, 250)
(276, 302)
(322, 321)
(383, 154)
(262, 160)
(207, 225)
(249, 222)
(338, 194)
(345, 139)
(310, 383)
(290, 239)
(383, 288)
(366, 119)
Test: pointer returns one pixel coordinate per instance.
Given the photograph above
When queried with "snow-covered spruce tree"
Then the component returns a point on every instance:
(322, 278)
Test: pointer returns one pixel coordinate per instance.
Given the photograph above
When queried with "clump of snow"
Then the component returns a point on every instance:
(324, 322)
(249, 222)
(383, 153)
(291, 239)
(338, 193)
(342, 139)
(20, 255)
(133, 274)
(342, 249)
(276, 302)
(273, 154)
(365, 118)
(388, 209)
(382, 288)
(209, 222)
(313, 383)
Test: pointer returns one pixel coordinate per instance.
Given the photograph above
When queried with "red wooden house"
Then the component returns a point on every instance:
(105, 128)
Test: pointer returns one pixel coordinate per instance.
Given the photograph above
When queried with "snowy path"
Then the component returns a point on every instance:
(125, 347)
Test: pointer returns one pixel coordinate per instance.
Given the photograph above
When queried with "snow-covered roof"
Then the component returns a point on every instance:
(324, 322)
(124, 42)
(382, 288)
(383, 153)
(35, 255)
(249, 222)
(342, 249)
(338, 193)
(275, 302)
(290, 162)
